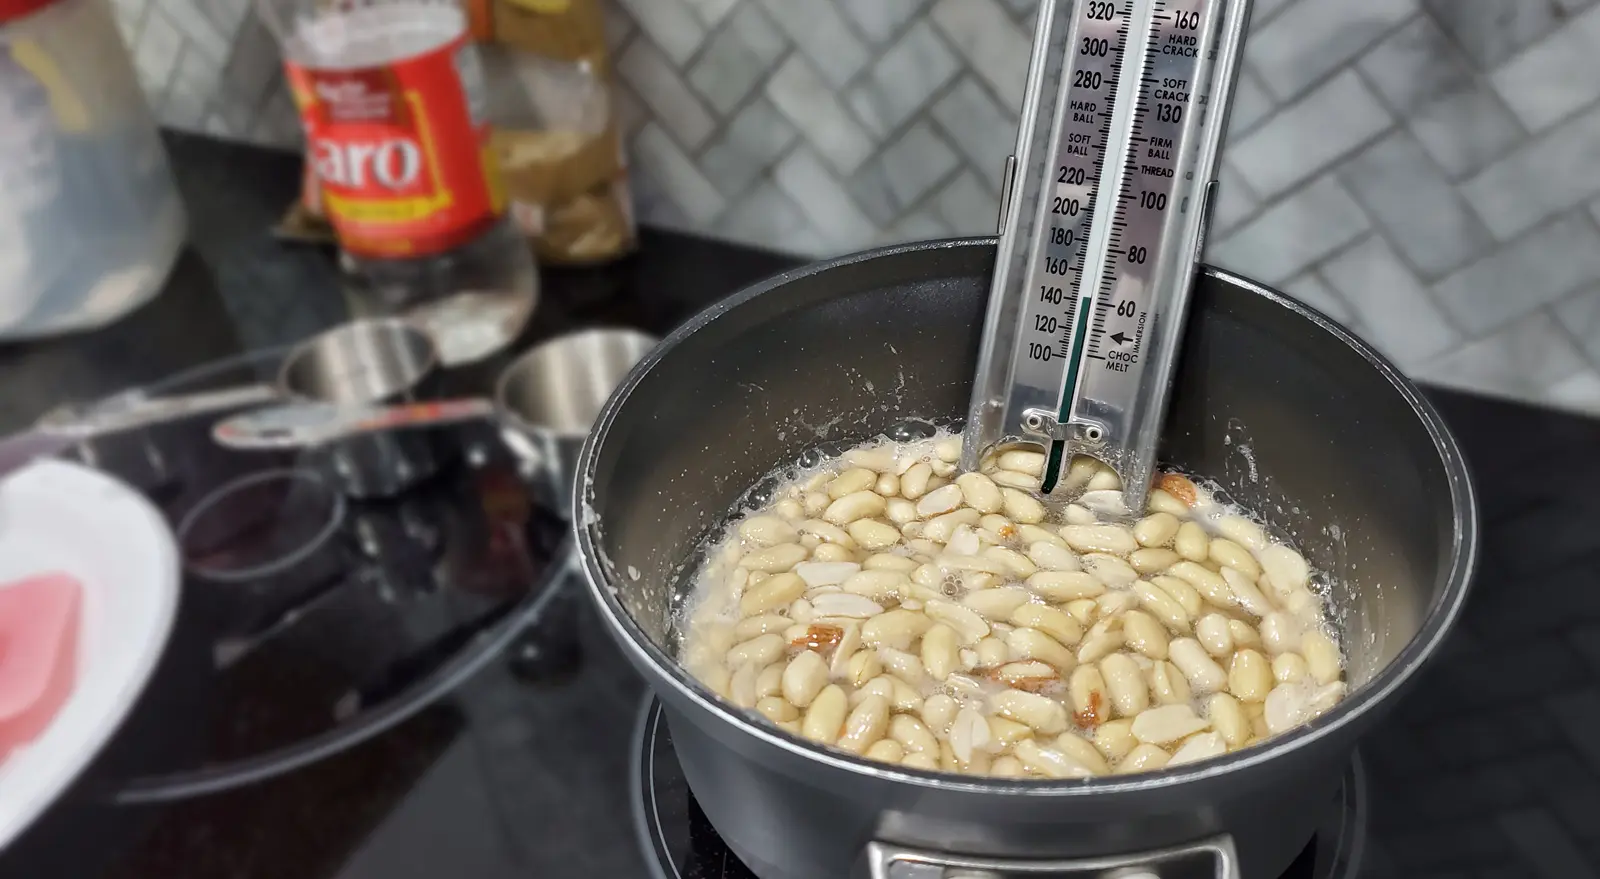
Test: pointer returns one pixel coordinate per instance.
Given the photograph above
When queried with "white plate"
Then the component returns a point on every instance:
(56, 516)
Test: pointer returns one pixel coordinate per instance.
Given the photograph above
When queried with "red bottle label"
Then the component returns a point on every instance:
(402, 151)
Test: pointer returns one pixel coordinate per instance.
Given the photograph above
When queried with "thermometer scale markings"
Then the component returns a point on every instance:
(1085, 367)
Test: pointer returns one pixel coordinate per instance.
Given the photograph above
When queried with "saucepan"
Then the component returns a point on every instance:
(1290, 414)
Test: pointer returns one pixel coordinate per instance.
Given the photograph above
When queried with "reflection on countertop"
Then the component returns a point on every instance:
(1489, 768)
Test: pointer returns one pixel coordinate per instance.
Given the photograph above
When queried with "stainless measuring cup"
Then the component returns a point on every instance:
(362, 364)
(547, 399)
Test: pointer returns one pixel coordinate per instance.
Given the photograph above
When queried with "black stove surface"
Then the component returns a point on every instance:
(1489, 768)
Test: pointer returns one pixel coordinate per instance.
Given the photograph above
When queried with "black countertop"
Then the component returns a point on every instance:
(1489, 768)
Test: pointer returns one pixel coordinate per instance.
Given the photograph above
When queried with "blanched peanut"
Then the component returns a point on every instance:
(874, 535)
(1082, 751)
(912, 734)
(774, 559)
(851, 481)
(1249, 676)
(1152, 561)
(969, 732)
(895, 628)
(1114, 739)
(900, 511)
(1103, 638)
(1078, 514)
(800, 611)
(863, 666)
(1163, 501)
(939, 501)
(1168, 684)
(1144, 758)
(844, 604)
(1004, 733)
(905, 665)
(1065, 585)
(1125, 683)
(969, 626)
(939, 652)
(1156, 529)
(1027, 643)
(941, 528)
(1013, 479)
(980, 492)
(1322, 657)
(1209, 584)
(992, 651)
(1050, 761)
(1281, 632)
(1022, 461)
(996, 604)
(804, 678)
(1191, 542)
(864, 726)
(827, 532)
(1116, 603)
(824, 718)
(829, 553)
(1285, 568)
(1199, 747)
(1287, 706)
(1181, 592)
(770, 681)
(1006, 767)
(1053, 557)
(1244, 634)
(1055, 623)
(1162, 606)
(888, 485)
(919, 760)
(1043, 714)
(1016, 564)
(1029, 674)
(820, 573)
(1231, 555)
(1325, 697)
(760, 650)
(1214, 635)
(1167, 724)
(1110, 570)
(716, 678)
(753, 626)
(857, 505)
(904, 697)
(1082, 609)
(886, 750)
(1244, 589)
(1228, 718)
(1113, 539)
(777, 710)
(878, 457)
(1257, 712)
(814, 502)
(767, 531)
(742, 686)
(1243, 532)
(1143, 633)
(1021, 507)
(948, 449)
(1087, 690)
(1028, 535)
(887, 561)
(938, 711)
(1289, 667)
(789, 510)
(1203, 672)
(914, 482)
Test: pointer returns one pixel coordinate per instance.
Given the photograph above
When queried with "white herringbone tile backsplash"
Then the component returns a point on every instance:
(1426, 171)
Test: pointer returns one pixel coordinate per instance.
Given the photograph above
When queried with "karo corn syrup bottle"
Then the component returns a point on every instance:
(392, 98)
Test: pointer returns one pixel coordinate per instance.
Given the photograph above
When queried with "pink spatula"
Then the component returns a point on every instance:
(38, 651)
